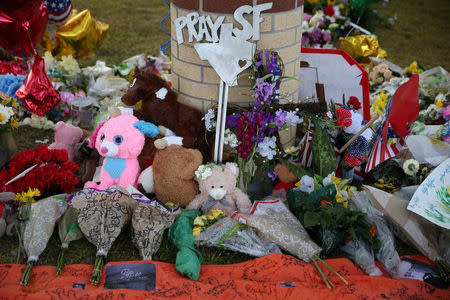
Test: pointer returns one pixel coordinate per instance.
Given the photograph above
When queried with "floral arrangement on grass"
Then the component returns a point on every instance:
(51, 171)
(8, 110)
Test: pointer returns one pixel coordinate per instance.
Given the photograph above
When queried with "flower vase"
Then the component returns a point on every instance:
(8, 148)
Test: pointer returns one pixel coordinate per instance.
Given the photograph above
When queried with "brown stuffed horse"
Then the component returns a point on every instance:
(160, 106)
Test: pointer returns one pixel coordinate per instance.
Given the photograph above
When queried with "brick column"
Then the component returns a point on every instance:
(196, 81)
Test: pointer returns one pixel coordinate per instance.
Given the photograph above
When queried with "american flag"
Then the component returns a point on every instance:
(58, 11)
(306, 152)
(381, 150)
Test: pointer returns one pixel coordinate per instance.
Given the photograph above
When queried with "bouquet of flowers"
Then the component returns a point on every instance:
(8, 109)
(47, 170)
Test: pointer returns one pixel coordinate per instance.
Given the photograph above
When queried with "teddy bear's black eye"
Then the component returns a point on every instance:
(118, 139)
(212, 186)
(221, 186)
(102, 137)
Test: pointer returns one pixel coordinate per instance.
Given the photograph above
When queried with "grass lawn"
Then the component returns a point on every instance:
(419, 33)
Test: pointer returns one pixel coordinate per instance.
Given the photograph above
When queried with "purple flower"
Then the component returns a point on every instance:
(305, 40)
(232, 120)
(306, 17)
(271, 65)
(322, 23)
(326, 36)
(272, 175)
(316, 34)
(280, 118)
(263, 94)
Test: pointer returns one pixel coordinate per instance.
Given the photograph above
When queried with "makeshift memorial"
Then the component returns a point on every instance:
(47, 170)
(432, 198)
(80, 36)
(39, 228)
(37, 92)
(229, 234)
(171, 176)
(387, 254)
(120, 140)
(274, 220)
(217, 185)
(66, 136)
(150, 219)
(188, 259)
(160, 106)
(421, 234)
(101, 217)
(68, 231)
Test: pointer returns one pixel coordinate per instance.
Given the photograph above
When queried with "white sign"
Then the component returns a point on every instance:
(209, 30)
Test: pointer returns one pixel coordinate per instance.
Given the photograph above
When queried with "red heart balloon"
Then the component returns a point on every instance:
(19, 26)
(37, 92)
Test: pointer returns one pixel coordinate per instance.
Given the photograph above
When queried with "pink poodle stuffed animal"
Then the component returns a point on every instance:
(217, 185)
(66, 136)
(120, 140)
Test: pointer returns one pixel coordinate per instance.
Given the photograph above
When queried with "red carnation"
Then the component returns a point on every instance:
(329, 10)
(344, 118)
(354, 102)
(60, 155)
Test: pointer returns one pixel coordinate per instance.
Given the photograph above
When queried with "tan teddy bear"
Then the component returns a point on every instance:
(217, 184)
(171, 177)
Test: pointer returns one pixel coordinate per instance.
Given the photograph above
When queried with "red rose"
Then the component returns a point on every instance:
(70, 165)
(329, 10)
(43, 155)
(354, 102)
(60, 155)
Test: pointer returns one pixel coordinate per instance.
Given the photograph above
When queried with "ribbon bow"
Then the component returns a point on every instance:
(211, 202)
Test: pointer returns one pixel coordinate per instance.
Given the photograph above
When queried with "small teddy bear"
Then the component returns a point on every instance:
(287, 180)
(66, 136)
(217, 184)
(7, 218)
(171, 177)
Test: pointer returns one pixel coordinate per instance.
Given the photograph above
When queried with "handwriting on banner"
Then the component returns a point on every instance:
(204, 28)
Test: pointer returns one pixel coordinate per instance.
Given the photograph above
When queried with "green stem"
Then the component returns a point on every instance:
(60, 261)
(331, 269)
(97, 272)
(20, 229)
(328, 282)
(27, 274)
(443, 269)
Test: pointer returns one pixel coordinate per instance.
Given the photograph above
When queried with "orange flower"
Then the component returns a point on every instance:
(373, 230)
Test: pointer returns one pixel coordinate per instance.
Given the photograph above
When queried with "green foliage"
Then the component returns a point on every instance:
(297, 170)
(324, 158)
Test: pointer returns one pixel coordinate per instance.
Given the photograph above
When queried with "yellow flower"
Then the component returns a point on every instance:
(198, 221)
(439, 104)
(341, 199)
(341, 6)
(216, 213)
(15, 104)
(331, 2)
(4, 102)
(298, 184)
(413, 68)
(14, 123)
(335, 180)
(313, 1)
(2, 117)
(28, 196)
(292, 150)
(196, 231)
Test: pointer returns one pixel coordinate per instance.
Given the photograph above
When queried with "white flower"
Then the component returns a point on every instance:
(328, 180)
(356, 124)
(69, 64)
(330, 115)
(305, 25)
(267, 148)
(230, 139)
(291, 117)
(410, 167)
(315, 18)
(203, 172)
(307, 184)
(5, 113)
(210, 124)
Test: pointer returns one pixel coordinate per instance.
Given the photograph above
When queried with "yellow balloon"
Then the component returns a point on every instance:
(80, 36)
(362, 46)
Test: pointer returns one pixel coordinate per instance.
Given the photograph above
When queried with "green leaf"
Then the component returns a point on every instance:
(311, 219)
(262, 79)
(343, 183)
(272, 125)
(72, 227)
(324, 158)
